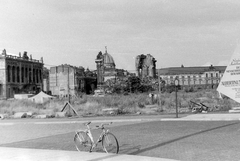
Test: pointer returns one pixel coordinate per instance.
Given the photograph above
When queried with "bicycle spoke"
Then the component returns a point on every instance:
(110, 143)
(82, 142)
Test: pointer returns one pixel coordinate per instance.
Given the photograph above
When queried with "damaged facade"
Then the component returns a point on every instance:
(106, 68)
(145, 66)
(19, 74)
(67, 80)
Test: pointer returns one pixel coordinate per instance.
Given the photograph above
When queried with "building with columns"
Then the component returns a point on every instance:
(19, 74)
(196, 77)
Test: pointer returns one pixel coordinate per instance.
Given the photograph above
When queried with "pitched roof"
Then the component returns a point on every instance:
(190, 70)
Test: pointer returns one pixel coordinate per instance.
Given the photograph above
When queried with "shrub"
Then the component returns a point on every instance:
(130, 103)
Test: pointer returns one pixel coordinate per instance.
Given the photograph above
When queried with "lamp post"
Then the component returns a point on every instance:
(159, 90)
(176, 82)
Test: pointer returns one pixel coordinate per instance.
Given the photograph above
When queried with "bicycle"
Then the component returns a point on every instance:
(83, 139)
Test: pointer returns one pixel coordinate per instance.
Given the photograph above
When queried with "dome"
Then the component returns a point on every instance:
(108, 60)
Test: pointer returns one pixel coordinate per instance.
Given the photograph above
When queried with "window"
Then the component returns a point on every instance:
(13, 74)
(34, 74)
(9, 73)
(37, 75)
(22, 74)
(18, 74)
(40, 78)
(30, 75)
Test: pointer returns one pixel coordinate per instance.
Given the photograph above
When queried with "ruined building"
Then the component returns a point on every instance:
(19, 74)
(106, 68)
(67, 80)
(145, 66)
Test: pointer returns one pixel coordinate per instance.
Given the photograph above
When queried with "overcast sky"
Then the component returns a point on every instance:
(175, 32)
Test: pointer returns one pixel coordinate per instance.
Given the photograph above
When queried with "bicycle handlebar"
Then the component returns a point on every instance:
(87, 123)
(101, 126)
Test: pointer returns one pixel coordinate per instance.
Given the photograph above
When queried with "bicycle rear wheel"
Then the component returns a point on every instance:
(110, 143)
(82, 141)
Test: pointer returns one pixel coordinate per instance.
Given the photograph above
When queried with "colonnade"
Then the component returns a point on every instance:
(24, 75)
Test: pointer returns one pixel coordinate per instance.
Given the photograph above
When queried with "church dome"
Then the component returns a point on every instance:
(108, 61)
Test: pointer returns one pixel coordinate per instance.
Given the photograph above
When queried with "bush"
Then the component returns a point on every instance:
(130, 103)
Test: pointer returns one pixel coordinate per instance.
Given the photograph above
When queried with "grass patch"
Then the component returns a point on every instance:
(127, 104)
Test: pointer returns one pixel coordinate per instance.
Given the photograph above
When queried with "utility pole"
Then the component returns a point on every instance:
(68, 86)
(176, 82)
(159, 90)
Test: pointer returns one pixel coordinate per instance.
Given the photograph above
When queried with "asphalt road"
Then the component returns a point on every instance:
(180, 140)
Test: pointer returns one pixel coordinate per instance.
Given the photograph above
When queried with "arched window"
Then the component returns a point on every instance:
(18, 74)
(40, 73)
(9, 73)
(13, 73)
(22, 74)
(30, 75)
(34, 76)
(37, 75)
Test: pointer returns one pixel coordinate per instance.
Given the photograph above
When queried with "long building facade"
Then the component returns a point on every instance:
(197, 77)
(19, 74)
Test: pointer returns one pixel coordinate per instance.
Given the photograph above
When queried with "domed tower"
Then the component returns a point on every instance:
(108, 61)
(105, 67)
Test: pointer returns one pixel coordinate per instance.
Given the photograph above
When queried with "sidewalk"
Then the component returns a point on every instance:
(17, 154)
(207, 117)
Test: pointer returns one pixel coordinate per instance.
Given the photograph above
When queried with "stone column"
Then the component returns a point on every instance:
(99, 71)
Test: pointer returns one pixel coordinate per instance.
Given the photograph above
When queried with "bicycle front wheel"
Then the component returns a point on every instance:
(110, 143)
(82, 141)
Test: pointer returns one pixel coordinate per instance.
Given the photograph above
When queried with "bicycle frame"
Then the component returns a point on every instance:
(83, 139)
(89, 133)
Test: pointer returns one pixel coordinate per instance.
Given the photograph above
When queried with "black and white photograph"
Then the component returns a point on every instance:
(119, 80)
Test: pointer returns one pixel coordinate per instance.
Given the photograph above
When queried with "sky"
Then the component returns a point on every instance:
(174, 32)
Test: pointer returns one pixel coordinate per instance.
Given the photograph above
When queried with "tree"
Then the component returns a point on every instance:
(45, 73)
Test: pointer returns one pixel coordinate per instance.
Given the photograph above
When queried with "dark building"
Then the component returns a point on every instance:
(19, 75)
